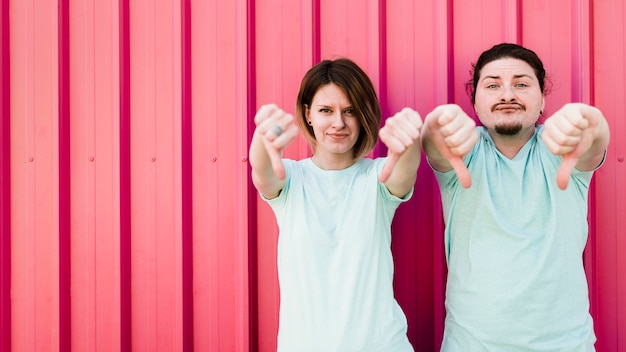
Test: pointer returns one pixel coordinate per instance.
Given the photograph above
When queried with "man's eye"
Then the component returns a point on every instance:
(521, 85)
(492, 86)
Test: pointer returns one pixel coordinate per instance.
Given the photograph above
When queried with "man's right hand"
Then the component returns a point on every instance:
(450, 135)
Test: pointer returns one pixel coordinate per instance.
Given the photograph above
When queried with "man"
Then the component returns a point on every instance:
(514, 197)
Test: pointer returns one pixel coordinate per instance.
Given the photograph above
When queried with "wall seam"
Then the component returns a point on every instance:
(65, 261)
(187, 178)
(125, 206)
(5, 179)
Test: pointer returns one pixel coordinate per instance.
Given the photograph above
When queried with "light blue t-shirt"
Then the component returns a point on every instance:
(335, 266)
(514, 243)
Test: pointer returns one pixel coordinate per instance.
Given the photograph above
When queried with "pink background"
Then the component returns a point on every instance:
(127, 218)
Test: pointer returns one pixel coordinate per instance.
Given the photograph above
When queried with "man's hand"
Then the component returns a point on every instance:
(453, 134)
(570, 132)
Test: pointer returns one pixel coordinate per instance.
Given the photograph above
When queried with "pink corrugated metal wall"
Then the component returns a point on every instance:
(127, 218)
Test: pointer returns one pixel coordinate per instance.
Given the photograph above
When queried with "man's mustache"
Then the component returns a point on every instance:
(520, 105)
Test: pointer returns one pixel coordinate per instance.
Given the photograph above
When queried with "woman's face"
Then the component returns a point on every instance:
(335, 125)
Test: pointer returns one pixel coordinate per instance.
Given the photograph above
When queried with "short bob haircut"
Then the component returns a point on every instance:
(359, 90)
(501, 51)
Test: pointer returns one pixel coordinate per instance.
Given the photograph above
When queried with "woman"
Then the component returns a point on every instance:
(334, 211)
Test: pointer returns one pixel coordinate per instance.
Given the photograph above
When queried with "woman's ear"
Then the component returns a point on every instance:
(307, 114)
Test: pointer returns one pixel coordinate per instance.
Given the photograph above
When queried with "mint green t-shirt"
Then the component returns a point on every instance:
(514, 246)
(335, 266)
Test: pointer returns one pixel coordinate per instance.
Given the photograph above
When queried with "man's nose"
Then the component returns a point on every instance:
(508, 94)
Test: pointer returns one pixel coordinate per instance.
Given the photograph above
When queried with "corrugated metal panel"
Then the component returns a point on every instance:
(219, 97)
(95, 170)
(607, 260)
(34, 93)
(5, 180)
(127, 218)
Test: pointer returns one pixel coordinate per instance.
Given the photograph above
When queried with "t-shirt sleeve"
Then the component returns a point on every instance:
(281, 198)
(379, 163)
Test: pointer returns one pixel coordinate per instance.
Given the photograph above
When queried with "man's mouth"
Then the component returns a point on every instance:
(508, 107)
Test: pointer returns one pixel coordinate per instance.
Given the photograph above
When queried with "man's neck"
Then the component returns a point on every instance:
(509, 146)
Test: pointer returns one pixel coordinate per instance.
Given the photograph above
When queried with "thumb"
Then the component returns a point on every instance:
(565, 170)
(392, 159)
(461, 171)
(455, 161)
(277, 161)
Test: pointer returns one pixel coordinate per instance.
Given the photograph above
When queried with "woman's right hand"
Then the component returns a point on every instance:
(277, 130)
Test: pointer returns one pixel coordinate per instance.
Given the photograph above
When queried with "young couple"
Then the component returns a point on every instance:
(514, 195)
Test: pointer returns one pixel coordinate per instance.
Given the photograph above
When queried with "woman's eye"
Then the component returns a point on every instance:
(325, 111)
(349, 112)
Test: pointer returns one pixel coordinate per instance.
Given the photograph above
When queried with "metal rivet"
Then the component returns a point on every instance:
(31, 159)
(213, 158)
(244, 159)
(91, 158)
(620, 158)
(153, 159)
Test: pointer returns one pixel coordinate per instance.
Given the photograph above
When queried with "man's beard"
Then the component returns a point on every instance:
(508, 130)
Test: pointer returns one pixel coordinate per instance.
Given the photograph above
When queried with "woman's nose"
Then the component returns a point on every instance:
(338, 120)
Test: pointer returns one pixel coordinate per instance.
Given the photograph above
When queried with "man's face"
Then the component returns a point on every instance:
(508, 97)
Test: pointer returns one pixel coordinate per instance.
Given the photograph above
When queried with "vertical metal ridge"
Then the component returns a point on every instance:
(382, 46)
(520, 20)
(449, 18)
(5, 179)
(253, 281)
(317, 30)
(444, 64)
(511, 21)
(187, 177)
(65, 262)
(242, 327)
(125, 218)
(444, 51)
(591, 51)
(381, 57)
(590, 261)
(580, 51)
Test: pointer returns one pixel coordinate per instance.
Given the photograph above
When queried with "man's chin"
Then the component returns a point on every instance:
(508, 130)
